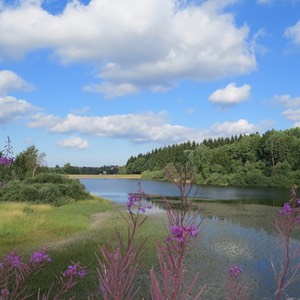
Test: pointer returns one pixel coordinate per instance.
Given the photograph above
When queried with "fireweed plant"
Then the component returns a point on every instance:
(7, 158)
(14, 272)
(118, 266)
(234, 287)
(287, 222)
(182, 228)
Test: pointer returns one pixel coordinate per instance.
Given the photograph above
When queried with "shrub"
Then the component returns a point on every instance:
(153, 175)
(75, 190)
(50, 193)
(29, 193)
(11, 191)
(44, 188)
(47, 178)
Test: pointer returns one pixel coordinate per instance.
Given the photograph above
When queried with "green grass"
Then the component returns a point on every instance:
(24, 226)
(72, 233)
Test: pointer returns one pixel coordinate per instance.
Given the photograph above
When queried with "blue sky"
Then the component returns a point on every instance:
(92, 82)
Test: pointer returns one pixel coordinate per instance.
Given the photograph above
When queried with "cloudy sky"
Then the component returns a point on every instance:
(92, 82)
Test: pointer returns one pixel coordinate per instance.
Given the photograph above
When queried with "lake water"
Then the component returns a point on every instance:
(118, 190)
(223, 242)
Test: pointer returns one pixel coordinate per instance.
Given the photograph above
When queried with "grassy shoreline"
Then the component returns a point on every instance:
(121, 176)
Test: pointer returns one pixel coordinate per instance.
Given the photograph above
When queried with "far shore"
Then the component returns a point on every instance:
(123, 176)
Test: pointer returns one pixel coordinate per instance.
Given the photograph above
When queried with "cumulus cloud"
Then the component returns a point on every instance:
(292, 113)
(136, 128)
(111, 90)
(12, 108)
(10, 81)
(230, 95)
(139, 128)
(287, 100)
(241, 126)
(293, 33)
(137, 44)
(74, 142)
(42, 120)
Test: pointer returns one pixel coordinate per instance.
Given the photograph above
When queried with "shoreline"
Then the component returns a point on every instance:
(121, 176)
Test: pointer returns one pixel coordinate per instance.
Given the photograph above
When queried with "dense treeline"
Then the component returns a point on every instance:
(69, 169)
(270, 159)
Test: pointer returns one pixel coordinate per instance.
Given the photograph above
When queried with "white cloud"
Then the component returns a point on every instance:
(43, 120)
(10, 81)
(233, 128)
(74, 142)
(293, 33)
(146, 43)
(264, 1)
(81, 111)
(12, 108)
(137, 128)
(111, 90)
(292, 113)
(230, 95)
(287, 100)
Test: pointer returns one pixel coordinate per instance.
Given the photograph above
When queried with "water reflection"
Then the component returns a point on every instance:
(223, 242)
(118, 189)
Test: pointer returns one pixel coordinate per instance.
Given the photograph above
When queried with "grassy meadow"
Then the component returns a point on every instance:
(71, 233)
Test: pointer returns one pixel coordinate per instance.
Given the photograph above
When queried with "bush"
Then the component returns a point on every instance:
(47, 178)
(75, 190)
(28, 193)
(153, 175)
(50, 193)
(44, 188)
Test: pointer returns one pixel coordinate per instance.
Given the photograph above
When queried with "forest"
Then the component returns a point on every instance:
(269, 159)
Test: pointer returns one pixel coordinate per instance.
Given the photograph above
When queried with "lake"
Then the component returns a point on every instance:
(243, 240)
(117, 190)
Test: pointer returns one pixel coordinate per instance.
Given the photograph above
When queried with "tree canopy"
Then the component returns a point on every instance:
(270, 159)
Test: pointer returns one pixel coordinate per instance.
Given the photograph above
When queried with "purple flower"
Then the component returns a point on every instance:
(75, 270)
(81, 273)
(192, 230)
(286, 210)
(4, 292)
(12, 260)
(234, 271)
(178, 233)
(132, 200)
(135, 200)
(40, 257)
(181, 232)
(6, 161)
